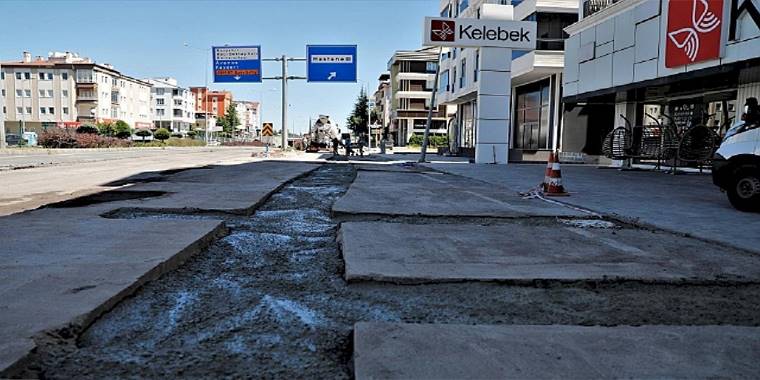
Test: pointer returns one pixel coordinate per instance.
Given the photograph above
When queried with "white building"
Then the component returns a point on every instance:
(172, 106)
(412, 75)
(530, 124)
(639, 57)
(248, 113)
(66, 90)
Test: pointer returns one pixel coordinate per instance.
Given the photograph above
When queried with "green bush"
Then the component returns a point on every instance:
(143, 133)
(175, 142)
(122, 130)
(177, 135)
(88, 129)
(162, 134)
(433, 140)
(191, 134)
(106, 129)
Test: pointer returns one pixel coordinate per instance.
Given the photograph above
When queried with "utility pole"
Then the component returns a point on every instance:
(430, 111)
(284, 102)
(284, 78)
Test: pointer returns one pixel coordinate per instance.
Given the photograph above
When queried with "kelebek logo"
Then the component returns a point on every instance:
(441, 30)
(694, 32)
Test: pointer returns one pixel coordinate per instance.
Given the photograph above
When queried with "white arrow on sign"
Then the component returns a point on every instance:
(332, 75)
(237, 77)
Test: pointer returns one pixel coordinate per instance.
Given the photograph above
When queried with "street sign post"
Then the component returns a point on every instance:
(331, 63)
(237, 64)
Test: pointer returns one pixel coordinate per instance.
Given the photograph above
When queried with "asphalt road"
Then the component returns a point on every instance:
(29, 180)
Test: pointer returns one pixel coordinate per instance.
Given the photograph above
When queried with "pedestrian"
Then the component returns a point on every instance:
(751, 112)
(361, 148)
(335, 145)
(349, 151)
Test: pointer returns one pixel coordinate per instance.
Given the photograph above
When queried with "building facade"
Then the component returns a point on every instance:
(172, 106)
(213, 102)
(248, 113)
(531, 81)
(67, 90)
(694, 61)
(412, 74)
(382, 99)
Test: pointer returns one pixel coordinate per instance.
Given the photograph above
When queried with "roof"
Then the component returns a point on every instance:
(425, 54)
(47, 63)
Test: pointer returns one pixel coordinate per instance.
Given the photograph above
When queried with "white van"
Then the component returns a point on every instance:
(736, 166)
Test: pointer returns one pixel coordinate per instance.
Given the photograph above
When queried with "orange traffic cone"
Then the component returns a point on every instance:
(553, 181)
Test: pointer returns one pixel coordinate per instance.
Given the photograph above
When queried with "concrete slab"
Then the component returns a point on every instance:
(237, 189)
(68, 266)
(686, 203)
(414, 253)
(419, 351)
(404, 193)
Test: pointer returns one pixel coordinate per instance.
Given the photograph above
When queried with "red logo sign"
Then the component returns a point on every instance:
(441, 30)
(694, 31)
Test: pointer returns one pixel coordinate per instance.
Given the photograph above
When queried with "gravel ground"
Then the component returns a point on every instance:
(269, 301)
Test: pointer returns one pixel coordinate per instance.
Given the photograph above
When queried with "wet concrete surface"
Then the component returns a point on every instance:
(269, 300)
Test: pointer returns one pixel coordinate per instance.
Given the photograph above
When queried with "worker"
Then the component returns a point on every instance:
(751, 112)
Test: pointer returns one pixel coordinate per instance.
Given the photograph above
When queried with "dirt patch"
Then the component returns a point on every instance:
(269, 300)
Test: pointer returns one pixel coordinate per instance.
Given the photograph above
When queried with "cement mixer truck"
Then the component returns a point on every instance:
(321, 134)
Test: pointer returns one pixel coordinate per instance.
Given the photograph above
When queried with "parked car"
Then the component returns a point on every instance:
(12, 139)
(736, 166)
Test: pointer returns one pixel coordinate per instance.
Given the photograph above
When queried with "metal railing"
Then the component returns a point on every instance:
(592, 6)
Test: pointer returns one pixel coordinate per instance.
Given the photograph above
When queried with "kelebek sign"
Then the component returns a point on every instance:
(695, 31)
(464, 32)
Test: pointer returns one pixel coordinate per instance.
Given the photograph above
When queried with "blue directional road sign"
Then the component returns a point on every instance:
(331, 63)
(237, 64)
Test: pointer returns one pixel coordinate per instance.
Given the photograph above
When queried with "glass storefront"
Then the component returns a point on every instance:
(533, 116)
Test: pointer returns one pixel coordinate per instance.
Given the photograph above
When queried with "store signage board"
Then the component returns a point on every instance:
(467, 32)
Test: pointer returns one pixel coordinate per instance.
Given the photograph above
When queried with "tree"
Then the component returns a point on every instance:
(191, 134)
(357, 120)
(230, 120)
(162, 134)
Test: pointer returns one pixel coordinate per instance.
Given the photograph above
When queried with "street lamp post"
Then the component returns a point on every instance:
(205, 87)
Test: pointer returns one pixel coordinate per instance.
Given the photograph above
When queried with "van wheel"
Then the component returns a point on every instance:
(744, 192)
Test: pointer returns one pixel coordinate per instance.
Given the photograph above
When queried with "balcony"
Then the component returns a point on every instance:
(414, 94)
(87, 97)
(415, 76)
(592, 6)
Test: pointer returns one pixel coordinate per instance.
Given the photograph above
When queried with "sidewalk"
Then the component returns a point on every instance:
(686, 203)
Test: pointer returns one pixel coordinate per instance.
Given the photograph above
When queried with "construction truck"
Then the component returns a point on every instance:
(321, 134)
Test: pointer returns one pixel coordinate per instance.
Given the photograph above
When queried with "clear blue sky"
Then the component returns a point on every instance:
(145, 39)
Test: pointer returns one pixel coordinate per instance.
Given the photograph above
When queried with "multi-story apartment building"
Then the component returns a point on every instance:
(412, 74)
(652, 57)
(2, 113)
(172, 106)
(213, 102)
(248, 113)
(533, 79)
(67, 90)
(382, 105)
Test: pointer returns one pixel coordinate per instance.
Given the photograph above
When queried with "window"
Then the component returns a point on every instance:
(550, 29)
(51, 110)
(28, 94)
(19, 93)
(159, 91)
(446, 12)
(29, 110)
(64, 76)
(159, 102)
(463, 73)
(20, 110)
(65, 110)
(477, 66)
(453, 79)
(65, 93)
(533, 116)
(2, 75)
(42, 110)
(160, 112)
(42, 93)
(18, 76)
(443, 83)
(49, 93)
(4, 110)
(3, 92)
(42, 76)
(431, 67)
(28, 75)
(463, 4)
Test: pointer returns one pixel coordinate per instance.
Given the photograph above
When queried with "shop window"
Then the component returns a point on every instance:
(533, 116)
